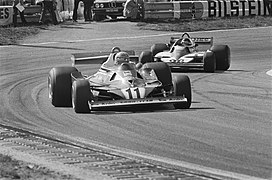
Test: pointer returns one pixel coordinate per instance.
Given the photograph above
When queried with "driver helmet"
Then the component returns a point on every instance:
(187, 42)
(121, 57)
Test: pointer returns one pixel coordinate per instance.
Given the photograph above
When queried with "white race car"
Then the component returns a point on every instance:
(192, 52)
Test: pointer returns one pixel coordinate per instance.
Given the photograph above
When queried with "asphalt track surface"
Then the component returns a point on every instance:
(227, 129)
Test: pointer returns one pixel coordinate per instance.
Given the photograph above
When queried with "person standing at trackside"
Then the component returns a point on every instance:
(268, 6)
(130, 10)
(17, 4)
(49, 5)
(133, 9)
(76, 3)
(88, 4)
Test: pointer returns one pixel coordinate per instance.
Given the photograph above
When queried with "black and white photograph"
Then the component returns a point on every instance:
(136, 89)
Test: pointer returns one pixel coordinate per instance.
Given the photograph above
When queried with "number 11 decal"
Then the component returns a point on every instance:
(132, 93)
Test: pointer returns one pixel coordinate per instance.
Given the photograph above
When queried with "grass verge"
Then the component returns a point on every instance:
(13, 169)
(207, 24)
(11, 35)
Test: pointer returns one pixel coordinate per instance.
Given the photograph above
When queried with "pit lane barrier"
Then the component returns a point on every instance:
(206, 9)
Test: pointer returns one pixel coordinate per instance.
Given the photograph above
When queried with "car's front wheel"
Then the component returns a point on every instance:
(81, 94)
(146, 57)
(222, 56)
(59, 86)
(156, 48)
(163, 73)
(209, 61)
(182, 87)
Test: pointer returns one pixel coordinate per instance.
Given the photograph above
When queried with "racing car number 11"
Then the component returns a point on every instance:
(132, 93)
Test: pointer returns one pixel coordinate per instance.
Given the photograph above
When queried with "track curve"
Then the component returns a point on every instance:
(227, 128)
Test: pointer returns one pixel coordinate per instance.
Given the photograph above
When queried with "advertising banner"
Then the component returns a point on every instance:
(226, 8)
(6, 2)
(207, 9)
(6, 13)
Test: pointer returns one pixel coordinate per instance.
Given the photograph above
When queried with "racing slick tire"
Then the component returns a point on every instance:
(209, 61)
(182, 87)
(222, 56)
(163, 73)
(60, 85)
(156, 48)
(81, 94)
(146, 57)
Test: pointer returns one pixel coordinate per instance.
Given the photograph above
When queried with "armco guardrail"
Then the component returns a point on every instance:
(206, 9)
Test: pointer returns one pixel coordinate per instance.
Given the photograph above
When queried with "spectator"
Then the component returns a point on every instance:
(48, 5)
(131, 10)
(268, 6)
(18, 6)
(88, 9)
(121, 57)
(76, 2)
(58, 8)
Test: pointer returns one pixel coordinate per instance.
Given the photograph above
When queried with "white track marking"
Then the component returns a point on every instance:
(134, 37)
(269, 72)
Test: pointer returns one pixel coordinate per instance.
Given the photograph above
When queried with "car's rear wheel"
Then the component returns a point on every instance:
(145, 57)
(209, 61)
(156, 48)
(222, 56)
(60, 85)
(163, 73)
(182, 87)
(81, 94)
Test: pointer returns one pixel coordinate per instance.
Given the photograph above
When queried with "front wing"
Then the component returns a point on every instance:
(137, 102)
(185, 65)
(192, 60)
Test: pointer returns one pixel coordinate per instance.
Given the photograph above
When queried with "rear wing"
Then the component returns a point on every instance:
(96, 57)
(197, 40)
